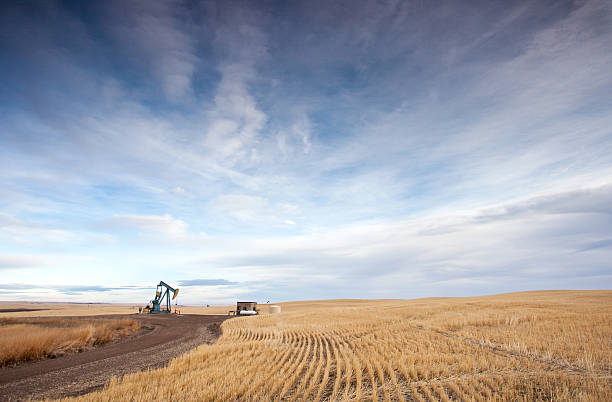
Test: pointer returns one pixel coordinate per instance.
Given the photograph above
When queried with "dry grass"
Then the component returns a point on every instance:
(526, 346)
(41, 309)
(26, 339)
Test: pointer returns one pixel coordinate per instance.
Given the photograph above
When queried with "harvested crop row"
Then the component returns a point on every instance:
(396, 351)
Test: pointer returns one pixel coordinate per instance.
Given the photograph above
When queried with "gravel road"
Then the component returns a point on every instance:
(163, 337)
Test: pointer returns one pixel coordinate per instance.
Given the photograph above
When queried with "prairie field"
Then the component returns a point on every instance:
(41, 309)
(25, 339)
(548, 345)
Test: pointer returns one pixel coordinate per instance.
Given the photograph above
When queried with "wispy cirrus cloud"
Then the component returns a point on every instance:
(21, 261)
(244, 207)
(448, 147)
(534, 240)
(235, 120)
(63, 289)
(164, 225)
(159, 37)
(206, 282)
(18, 231)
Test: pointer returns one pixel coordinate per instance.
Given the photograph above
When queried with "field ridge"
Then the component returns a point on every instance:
(527, 346)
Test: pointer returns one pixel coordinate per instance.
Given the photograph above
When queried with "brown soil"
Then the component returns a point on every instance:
(163, 337)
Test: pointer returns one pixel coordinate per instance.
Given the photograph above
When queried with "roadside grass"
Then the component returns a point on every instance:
(26, 339)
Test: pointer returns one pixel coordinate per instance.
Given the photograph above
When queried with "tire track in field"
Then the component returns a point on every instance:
(506, 352)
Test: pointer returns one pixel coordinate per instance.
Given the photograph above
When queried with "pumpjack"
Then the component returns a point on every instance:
(162, 298)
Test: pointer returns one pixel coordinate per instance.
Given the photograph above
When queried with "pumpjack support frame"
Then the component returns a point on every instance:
(162, 299)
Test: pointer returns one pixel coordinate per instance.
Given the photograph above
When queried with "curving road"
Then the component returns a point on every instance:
(163, 338)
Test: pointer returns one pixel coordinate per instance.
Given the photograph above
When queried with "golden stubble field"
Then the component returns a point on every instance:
(41, 309)
(549, 345)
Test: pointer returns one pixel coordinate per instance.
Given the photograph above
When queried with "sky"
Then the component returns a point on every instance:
(274, 150)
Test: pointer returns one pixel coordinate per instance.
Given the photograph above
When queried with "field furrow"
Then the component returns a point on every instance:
(430, 350)
(314, 377)
(328, 362)
(295, 369)
(310, 360)
(350, 381)
(341, 368)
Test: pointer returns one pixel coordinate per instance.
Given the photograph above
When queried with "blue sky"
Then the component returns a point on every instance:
(304, 150)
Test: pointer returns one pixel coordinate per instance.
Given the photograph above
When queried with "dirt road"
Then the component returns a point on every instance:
(163, 338)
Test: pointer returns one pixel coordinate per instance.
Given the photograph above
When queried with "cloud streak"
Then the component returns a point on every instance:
(165, 225)
(158, 35)
(398, 149)
(533, 240)
(206, 282)
(21, 261)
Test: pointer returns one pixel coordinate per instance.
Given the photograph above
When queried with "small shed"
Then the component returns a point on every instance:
(246, 306)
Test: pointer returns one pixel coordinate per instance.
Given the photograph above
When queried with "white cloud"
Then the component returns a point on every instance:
(21, 261)
(297, 137)
(243, 207)
(408, 157)
(27, 233)
(163, 224)
(287, 208)
(302, 129)
(254, 209)
(158, 32)
(548, 238)
(235, 121)
(102, 238)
